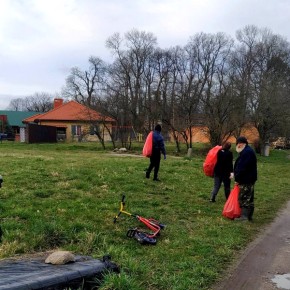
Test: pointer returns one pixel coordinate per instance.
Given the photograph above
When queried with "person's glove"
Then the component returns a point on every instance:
(231, 175)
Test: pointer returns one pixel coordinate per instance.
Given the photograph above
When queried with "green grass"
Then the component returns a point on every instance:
(65, 196)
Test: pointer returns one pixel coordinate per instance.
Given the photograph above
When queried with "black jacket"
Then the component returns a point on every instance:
(224, 164)
(245, 168)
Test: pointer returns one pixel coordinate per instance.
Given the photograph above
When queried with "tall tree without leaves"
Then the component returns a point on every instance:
(84, 86)
(268, 79)
(38, 102)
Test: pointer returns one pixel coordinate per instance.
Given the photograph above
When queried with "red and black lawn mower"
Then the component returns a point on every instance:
(141, 236)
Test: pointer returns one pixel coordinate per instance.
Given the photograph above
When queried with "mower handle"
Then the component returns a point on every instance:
(122, 210)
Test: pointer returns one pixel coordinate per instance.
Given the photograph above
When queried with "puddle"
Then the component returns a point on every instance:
(282, 281)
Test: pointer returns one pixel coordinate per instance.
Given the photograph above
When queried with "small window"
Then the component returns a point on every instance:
(76, 130)
(94, 129)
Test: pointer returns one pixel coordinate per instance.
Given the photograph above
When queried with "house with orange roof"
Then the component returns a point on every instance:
(73, 121)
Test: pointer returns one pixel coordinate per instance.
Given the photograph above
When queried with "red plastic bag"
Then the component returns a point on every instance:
(147, 149)
(210, 161)
(232, 208)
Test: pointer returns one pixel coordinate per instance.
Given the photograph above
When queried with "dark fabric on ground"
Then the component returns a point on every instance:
(35, 274)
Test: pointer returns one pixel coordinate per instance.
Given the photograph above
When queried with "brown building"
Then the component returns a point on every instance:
(73, 121)
(200, 135)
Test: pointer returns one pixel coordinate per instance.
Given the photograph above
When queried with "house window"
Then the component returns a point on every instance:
(76, 130)
(61, 134)
(94, 129)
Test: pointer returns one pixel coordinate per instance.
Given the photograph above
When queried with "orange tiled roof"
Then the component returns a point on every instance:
(70, 111)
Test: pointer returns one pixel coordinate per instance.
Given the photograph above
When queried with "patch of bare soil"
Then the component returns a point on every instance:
(124, 154)
(265, 264)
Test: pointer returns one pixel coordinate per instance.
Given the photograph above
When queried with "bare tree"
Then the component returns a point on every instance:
(217, 96)
(242, 66)
(227, 86)
(85, 86)
(131, 75)
(130, 64)
(269, 76)
(204, 84)
(38, 102)
(17, 105)
(164, 104)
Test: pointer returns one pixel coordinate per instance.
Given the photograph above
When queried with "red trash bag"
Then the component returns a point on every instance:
(210, 161)
(232, 208)
(147, 149)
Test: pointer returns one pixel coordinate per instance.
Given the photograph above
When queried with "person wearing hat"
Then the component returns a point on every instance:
(245, 174)
(157, 149)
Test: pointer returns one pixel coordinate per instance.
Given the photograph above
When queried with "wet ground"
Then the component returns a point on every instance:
(265, 265)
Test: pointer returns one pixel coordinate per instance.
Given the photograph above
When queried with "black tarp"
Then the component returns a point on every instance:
(22, 274)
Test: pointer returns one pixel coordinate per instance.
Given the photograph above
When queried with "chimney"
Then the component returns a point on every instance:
(57, 103)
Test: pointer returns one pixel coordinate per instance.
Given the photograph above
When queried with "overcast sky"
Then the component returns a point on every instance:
(41, 40)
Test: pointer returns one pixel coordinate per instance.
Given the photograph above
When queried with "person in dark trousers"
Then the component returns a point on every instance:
(157, 149)
(223, 171)
(245, 173)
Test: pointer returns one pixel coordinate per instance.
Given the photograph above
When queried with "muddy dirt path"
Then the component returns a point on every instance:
(265, 265)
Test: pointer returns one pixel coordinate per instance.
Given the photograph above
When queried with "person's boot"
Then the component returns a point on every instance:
(212, 199)
(155, 177)
(244, 215)
(250, 213)
(147, 174)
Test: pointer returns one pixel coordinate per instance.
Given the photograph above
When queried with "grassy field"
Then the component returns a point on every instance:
(65, 196)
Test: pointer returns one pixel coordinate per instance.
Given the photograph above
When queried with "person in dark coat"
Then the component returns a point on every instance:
(223, 171)
(245, 173)
(157, 149)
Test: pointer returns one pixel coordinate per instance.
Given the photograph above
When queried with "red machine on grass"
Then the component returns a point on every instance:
(141, 236)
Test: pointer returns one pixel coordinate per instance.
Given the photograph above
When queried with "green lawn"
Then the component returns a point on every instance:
(65, 196)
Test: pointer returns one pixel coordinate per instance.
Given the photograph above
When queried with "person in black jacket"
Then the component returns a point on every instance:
(245, 173)
(223, 171)
(157, 149)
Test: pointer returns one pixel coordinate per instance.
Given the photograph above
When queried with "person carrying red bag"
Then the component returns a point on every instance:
(157, 149)
(245, 174)
(223, 171)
